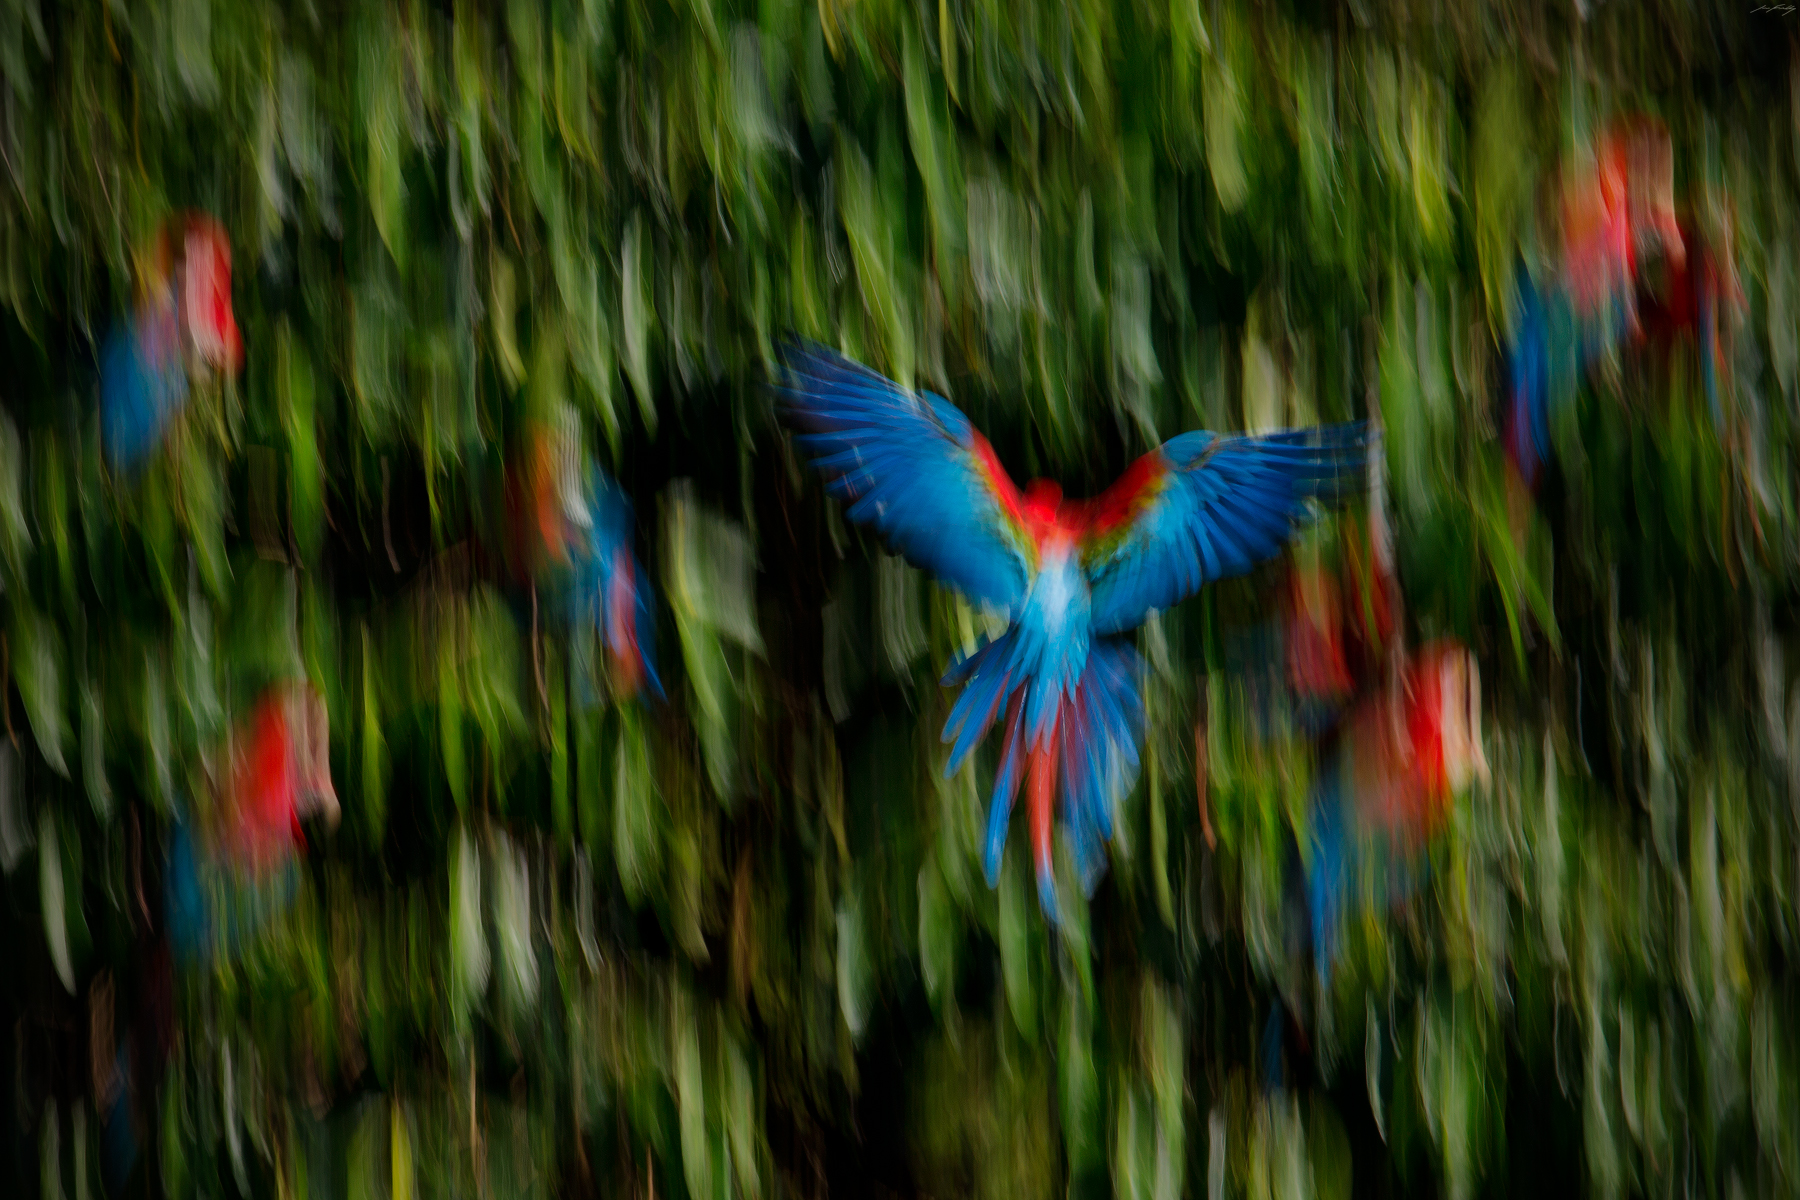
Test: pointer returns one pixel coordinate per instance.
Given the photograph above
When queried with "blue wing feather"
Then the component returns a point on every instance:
(908, 464)
(1528, 360)
(1006, 786)
(1226, 504)
(981, 700)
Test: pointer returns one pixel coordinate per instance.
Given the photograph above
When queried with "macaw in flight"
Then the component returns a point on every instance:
(1072, 577)
(232, 871)
(1633, 272)
(572, 540)
(1616, 206)
(183, 330)
(1401, 757)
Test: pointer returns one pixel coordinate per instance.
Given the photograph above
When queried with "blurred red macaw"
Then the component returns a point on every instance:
(1618, 210)
(1401, 757)
(183, 329)
(276, 769)
(1615, 202)
(573, 540)
(1073, 577)
(235, 867)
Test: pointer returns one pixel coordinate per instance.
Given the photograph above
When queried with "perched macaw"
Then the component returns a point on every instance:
(182, 329)
(236, 868)
(1401, 757)
(574, 543)
(1071, 576)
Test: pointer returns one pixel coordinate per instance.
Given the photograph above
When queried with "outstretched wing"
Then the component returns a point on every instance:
(911, 464)
(1201, 508)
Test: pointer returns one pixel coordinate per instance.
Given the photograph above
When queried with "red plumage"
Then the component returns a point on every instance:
(1415, 744)
(1617, 209)
(1339, 621)
(540, 532)
(206, 294)
(1119, 505)
(276, 768)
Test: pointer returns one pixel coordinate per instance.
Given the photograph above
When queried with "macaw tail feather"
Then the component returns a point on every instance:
(605, 590)
(1089, 746)
(646, 633)
(624, 599)
(1350, 862)
(630, 625)
(988, 683)
(1042, 761)
(1006, 786)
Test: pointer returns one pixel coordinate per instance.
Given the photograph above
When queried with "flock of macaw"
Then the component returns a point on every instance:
(1072, 578)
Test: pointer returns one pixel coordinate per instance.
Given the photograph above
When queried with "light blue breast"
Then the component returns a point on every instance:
(1053, 632)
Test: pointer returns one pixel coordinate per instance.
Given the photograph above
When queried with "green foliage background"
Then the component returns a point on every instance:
(740, 944)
